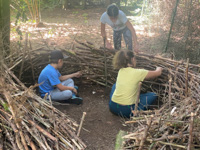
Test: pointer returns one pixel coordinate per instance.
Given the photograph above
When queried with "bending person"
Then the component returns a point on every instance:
(123, 95)
(120, 25)
(60, 88)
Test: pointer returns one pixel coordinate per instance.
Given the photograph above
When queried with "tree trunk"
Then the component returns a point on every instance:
(188, 32)
(66, 4)
(84, 4)
(172, 23)
(1, 45)
(5, 25)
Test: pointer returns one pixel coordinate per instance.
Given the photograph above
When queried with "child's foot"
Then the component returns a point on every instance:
(76, 87)
(76, 100)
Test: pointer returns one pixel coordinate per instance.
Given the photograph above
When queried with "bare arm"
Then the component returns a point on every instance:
(154, 74)
(103, 34)
(131, 28)
(103, 30)
(65, 77)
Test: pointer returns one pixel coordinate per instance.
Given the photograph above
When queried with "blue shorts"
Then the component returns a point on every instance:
(126, 110)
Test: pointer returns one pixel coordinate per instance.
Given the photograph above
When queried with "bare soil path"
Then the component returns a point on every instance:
(61, 28)
(100, 124)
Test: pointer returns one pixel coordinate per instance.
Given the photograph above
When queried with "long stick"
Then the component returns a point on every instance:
(31, 62)
(23, 58)
(188, 32)
(10, 102)
(186, 78)
(47, 134)
(191, 130)
(172, 23)
(170, 93)
(81, 124)
(145, 134)
(138, 97)
(105, 62)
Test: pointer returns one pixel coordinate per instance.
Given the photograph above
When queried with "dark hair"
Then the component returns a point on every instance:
(54, 61)
(112, 10)
(55, 55)
(122, 58)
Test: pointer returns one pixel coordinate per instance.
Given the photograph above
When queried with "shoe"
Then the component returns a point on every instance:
(76, 87)
(73, 100)
(73, 94)
(76, 100)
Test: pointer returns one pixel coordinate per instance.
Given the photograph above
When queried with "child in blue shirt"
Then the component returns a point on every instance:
(59, 88)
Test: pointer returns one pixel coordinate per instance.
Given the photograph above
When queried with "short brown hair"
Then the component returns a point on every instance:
(122, 58)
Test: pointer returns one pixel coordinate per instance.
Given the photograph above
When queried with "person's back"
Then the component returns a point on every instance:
(124, 93)
(48, 78)
(127, 85)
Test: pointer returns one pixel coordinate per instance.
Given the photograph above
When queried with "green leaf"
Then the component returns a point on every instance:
(5, 106)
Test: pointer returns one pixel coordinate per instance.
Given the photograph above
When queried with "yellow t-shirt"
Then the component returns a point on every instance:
(127, 85)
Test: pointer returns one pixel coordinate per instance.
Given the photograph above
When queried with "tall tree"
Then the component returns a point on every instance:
(172, 23)
(5, 25)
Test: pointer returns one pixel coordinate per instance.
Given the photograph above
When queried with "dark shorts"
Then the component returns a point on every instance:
(117, 38)
(126, 110)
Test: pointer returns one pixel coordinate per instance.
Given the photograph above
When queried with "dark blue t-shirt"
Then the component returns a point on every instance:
(49, 77)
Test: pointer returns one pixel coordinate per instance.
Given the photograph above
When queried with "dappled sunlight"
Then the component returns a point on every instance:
(61, 35)
(48, 30)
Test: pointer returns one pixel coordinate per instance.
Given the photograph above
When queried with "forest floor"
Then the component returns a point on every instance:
(61, 27)
(101, 124)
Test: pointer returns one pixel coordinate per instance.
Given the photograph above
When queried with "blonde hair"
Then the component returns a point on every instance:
(122, 58)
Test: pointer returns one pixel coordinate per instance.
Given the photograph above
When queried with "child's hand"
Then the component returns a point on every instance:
(74, 90)
(136, 48)
(108, 45)
(159, 69)
(78, 74)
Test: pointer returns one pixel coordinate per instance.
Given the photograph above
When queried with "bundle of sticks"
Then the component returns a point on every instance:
(175, 123)
(30, 122)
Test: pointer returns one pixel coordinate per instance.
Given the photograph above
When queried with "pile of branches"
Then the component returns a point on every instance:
(30, 122)
(176, 123)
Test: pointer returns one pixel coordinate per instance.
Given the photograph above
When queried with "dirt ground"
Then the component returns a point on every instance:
(100, 124)
(61, 28)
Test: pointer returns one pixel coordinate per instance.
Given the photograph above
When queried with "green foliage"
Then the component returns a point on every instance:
(85, 16)
(20, 11)
(75, 12)
(50, 4)
(119, 140)
(5, 106)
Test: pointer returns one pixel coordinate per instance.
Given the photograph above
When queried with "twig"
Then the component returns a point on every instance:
(80, 126)
(47, 134)
(138, 97)
(29, 55)
(145, 134)
(191, 130)
(23, 58)
(105, 64)
(170, 92)
(186, 78)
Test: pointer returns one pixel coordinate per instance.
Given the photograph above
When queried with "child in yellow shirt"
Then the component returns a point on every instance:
(124, 93)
